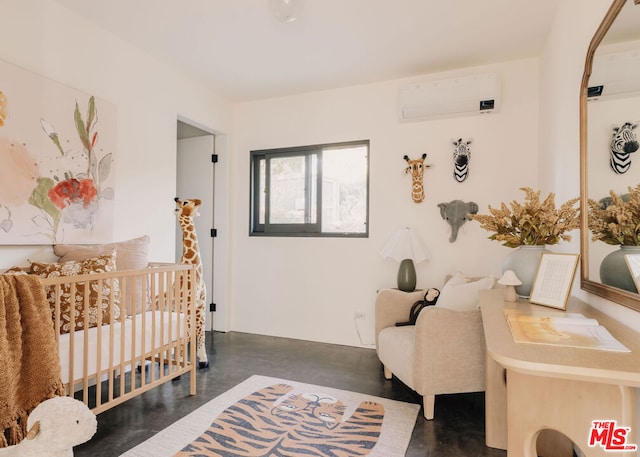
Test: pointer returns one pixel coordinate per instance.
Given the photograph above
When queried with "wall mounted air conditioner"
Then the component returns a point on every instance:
(615, 75)
(462, 96)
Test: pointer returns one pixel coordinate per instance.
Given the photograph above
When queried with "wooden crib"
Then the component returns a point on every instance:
(146, 345)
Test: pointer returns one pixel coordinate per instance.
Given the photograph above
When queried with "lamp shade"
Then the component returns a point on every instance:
(509, 278)
(285, 10)
(405, 244)
(405, 247)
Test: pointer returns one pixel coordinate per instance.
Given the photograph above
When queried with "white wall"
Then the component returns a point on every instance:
(309, 288)
(43, 37)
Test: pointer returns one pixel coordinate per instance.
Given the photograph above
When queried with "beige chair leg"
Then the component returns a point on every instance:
(387, 373)
(428, 403)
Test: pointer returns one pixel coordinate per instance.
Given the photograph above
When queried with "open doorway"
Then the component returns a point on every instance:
(196, 179)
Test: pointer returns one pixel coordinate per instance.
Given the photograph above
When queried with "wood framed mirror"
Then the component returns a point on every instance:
(616, 40)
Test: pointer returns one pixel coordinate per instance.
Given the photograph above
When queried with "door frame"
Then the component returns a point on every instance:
(185, 129)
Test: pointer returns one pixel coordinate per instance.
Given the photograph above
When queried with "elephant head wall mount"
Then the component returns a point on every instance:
(456, 213)
(416, 168)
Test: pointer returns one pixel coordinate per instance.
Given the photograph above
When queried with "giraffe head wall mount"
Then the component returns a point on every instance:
(416, 168)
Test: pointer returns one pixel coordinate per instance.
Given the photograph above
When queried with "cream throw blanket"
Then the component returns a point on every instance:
(29, 361)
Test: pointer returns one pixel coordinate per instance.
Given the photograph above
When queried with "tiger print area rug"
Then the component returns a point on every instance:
(270, 417)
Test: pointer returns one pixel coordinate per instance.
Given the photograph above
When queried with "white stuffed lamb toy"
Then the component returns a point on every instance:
(53, 428)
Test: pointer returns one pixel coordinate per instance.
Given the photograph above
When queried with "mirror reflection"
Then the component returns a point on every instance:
(613, 155)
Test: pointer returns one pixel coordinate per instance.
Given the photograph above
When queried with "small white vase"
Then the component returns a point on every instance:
(524, 261)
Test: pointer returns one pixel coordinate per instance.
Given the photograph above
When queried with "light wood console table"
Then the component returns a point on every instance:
(538, 387)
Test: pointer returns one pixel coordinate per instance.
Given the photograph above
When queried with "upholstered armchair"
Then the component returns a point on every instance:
(444, 353)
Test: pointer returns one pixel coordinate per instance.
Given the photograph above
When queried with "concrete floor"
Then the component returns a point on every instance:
(456, 431)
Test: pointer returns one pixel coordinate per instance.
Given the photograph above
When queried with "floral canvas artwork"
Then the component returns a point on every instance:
(57, 148)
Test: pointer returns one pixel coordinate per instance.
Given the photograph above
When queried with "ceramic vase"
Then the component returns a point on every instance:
(524, 261)
(407, 276)
(614, 270)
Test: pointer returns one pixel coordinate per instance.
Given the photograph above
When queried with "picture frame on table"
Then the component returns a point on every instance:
(553, 280)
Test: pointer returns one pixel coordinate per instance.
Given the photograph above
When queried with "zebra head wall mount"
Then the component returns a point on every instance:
(623, 144)
(461, 159)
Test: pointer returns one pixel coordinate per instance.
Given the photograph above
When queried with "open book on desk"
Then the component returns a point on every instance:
(567, 329)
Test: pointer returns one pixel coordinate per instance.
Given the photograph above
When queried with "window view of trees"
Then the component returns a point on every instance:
(311, 190)
(344, 190)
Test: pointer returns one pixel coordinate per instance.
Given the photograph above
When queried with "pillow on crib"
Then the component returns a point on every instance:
(131, 255)
(75, 304)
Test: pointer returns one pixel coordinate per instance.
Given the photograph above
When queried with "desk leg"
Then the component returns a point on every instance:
(495, 397)
(535, 403)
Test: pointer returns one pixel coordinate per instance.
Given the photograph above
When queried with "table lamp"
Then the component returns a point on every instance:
(405, 247)
(510, 280)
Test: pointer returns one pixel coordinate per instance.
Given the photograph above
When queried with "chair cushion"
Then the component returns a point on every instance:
(396, 351)
(459, 294)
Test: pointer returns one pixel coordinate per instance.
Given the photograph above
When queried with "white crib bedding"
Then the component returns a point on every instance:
(169, 326)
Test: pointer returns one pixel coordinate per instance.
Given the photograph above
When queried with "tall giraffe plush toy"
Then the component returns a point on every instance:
(186, 210)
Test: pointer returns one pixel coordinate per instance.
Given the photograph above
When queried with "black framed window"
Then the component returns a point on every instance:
(320, 190)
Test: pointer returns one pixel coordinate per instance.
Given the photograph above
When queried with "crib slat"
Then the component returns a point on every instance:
(87, 305)
(72, 325)
(151, 285)
(111, 368)
(121, 368)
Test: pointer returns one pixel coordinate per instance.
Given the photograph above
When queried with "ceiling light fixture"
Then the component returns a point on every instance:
(285, 10)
